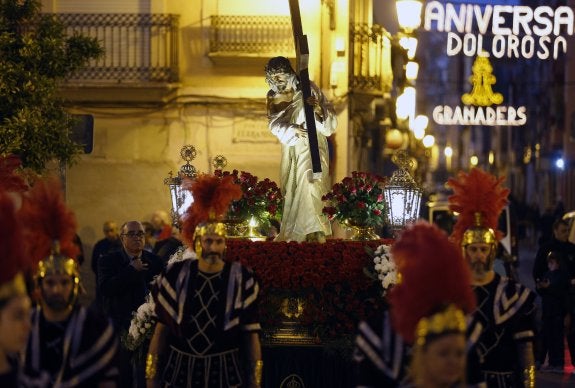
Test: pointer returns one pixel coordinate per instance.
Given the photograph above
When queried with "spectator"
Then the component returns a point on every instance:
(557, 243)
(149, 239)
(110, 243)
(162, 225)
(553, 288)
(167, 247)
(123, 280)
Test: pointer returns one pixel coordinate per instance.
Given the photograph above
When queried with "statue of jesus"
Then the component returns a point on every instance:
(302, 217)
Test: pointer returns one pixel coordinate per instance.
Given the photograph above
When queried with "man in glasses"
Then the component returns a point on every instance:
(124, 279)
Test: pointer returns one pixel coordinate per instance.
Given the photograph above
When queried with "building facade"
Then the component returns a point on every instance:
(183, 72)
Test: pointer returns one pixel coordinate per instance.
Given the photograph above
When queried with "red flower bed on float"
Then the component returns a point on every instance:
(330, 277)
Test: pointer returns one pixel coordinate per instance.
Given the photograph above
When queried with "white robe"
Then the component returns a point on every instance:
(302, 211)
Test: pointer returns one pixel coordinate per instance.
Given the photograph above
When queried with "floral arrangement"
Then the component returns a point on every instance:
(329, 277)
(262, 199)
(357, 200)
(384, 266)
(142, 325)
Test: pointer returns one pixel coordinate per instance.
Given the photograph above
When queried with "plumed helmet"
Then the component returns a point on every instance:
(212, 197)
(51, 229)
(421, 306)
(479, 198)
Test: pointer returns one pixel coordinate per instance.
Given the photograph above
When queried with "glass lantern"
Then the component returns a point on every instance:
(402, 195)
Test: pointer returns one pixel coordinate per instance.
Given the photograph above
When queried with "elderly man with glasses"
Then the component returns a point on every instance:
(124, 279)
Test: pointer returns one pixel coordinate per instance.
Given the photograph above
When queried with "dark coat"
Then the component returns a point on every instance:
(566, 249)
(122, 288)
(103, 247)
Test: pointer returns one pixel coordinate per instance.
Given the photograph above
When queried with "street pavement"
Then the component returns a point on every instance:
(527, 254)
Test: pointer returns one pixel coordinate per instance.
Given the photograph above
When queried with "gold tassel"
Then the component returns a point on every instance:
(151, 366)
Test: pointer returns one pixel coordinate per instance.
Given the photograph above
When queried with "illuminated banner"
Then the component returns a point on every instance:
(482, 103)
(517, 31)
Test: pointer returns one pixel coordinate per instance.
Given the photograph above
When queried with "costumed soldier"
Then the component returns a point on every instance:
(69, 345)
(399, 349)
(208, 331)
(431, 315)
(380, 354)
(503, 323)
(14, 301)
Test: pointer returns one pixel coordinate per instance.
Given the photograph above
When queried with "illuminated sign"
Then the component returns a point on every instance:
(479, 109)
(517, 31)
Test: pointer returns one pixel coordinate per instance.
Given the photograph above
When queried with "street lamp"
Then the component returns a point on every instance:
(408, 14)
(180, 197)
(405, 104)
(402, 195)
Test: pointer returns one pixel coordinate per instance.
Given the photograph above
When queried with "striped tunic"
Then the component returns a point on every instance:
(206, 314)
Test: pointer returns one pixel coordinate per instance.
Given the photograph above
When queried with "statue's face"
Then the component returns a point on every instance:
(280, 80)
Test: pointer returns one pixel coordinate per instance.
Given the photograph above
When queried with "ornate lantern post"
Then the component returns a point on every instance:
(402, 195)
(181, 199)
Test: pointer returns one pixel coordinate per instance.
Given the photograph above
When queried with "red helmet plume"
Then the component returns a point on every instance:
(431, 274)
(479, 198)
(212, 197)
(48, 220)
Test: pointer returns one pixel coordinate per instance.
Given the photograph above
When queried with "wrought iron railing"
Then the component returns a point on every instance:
(138, 47)
(251, 35)
(370, 62)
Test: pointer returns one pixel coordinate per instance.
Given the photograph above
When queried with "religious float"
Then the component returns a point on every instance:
(313, 295)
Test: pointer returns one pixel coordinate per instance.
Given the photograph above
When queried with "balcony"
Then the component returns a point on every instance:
(249, 39)
(370, 62)
(140, 60)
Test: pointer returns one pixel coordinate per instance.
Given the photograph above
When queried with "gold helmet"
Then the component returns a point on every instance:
(51, 229)
(479, 198)
(477, 233)
(212, 197)
(57, 263)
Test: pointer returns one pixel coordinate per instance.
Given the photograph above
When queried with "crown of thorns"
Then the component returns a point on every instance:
(279, 64)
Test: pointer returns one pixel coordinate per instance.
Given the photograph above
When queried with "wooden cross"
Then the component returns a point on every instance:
(302, 60)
